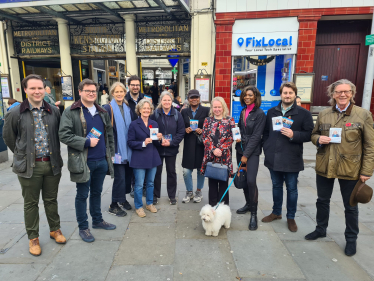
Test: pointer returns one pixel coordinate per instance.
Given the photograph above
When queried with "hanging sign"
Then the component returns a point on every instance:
(369, 40)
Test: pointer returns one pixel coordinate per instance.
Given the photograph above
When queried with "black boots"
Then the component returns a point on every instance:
(244, 209)
(253, 220)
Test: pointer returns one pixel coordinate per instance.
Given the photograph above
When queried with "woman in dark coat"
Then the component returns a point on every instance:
(193, 160)
(217, 136)
(120, 116)
(145, 157)
(248, 148)
(171, 125)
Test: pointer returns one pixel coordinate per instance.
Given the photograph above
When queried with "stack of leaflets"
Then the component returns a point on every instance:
(94, 134)
(194, 124)
(153, 133)
(280, 122)
(236, 133)
(335, 135)
(168, 137)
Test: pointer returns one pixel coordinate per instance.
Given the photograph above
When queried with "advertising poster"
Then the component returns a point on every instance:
(5, 87)
(203, 86)
(67, 88)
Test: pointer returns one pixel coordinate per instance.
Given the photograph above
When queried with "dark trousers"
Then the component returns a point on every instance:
(325, 187)
(171, 181)
(251, 192)
(42, 180)
(290, 178)
(94, 186)
(216, 190)
(121, 182)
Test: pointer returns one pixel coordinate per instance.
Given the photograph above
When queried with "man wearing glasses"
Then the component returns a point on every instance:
(349, 161)
(134, 95)
(87, 131)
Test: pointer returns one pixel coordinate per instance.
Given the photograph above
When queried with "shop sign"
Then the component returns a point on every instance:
(36, 40)
(97, 36)
(369, 40)
(163, 36)
(236, 110)
(275, 36)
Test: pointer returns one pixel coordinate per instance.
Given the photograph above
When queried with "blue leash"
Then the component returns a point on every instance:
(227, 188)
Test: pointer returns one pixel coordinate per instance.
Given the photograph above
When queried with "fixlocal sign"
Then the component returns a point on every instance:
(265, 37)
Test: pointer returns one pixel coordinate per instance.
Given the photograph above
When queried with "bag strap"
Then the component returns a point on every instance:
(111, 109)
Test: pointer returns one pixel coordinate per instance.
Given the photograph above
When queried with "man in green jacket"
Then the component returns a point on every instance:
(36, 158)
(349, 160)
(87, 131)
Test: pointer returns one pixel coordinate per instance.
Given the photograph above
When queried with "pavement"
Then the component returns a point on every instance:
(171, 245)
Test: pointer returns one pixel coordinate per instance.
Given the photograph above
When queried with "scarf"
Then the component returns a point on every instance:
(248, 109)
(122, 126)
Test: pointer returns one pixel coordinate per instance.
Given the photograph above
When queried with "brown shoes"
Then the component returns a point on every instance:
(271, 217)
(35, 249)
(140, 212)
(57, 235)
(292, 225)
(151, 208)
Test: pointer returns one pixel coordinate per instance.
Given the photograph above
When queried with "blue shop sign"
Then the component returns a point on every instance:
(236, 109)
(266, 105)
(262, 42)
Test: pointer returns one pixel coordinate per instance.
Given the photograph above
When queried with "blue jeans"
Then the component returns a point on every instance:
(291, 184)
(94, 186)
(187, 176)
(149, 176)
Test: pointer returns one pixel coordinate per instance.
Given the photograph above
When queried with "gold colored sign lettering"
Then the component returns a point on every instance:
(31, 33)
(167, 28)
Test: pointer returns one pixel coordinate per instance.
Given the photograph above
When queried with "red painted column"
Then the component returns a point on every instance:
(223, 59)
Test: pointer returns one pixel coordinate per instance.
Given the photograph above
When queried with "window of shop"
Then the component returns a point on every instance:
(264, 58)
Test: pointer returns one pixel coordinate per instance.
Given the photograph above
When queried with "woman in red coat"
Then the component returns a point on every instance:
(217, 136)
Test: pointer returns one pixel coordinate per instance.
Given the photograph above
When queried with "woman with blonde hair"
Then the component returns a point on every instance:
(145, 157)
(171, 125)
(121, 116)
(218, 139)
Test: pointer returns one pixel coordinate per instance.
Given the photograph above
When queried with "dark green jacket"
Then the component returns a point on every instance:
(18, 135)
(72, 134)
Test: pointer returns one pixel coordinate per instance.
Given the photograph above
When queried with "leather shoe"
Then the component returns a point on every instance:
(314, 235)
(350, 248)
(271, 217)
(57, 235)
(243, 210)
(34, 245)
(292, 226)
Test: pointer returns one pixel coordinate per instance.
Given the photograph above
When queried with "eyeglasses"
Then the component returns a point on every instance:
(342, 92)
(89, 92)
(135, 85)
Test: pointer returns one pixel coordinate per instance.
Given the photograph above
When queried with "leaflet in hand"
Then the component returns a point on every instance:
(287, 122)
(168, 137)
(194, 124)
(277, 123)
(336, 135)
(94, 134)
(153, 133)
(117, 159)
(236, 133)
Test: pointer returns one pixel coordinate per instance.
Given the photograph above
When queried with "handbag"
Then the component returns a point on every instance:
(199, 138)
(240, 180)
(217, 171)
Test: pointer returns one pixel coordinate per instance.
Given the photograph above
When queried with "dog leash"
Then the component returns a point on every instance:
(228, 186)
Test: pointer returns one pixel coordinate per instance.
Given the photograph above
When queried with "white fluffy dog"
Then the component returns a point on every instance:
(214, 219)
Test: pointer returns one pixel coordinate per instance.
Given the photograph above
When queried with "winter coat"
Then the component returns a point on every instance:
(195, 159)
(72, 134)
(251, 133)
(142, 157)
(224, 142)
(19, 136)
(283, 154)
(354, 156)
(168, 125)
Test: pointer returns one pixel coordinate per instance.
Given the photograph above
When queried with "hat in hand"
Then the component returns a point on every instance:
(193, 93)
(362, 193)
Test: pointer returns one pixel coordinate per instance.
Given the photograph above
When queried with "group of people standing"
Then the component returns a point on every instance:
(124, 147)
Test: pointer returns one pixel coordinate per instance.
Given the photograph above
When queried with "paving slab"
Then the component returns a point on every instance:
(369, 225)
(19, 252)
(20, 272)
(265, 200)
(325, 261)
(14, 213)
(140, 272)
(304, 223)
(147, 244)
(202, 259)
(79, 260)
(261, 254)
(7, 197)
(166, 213)
(192, 205)
(8, 231)
(365, 250)
(241, 222)
(306, 195)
